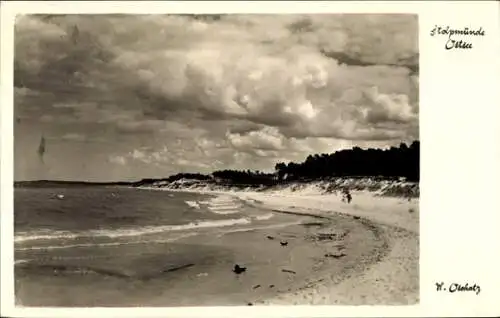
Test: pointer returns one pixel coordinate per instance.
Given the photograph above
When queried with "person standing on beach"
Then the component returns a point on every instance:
(347, 196)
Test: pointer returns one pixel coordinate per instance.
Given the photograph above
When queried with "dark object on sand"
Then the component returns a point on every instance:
(250, 304)
(288, 271)
(238, 270)
(326, 236)
(256, 286)
(173, 269)
(321, 237)
(270, 237)
(356, 217)
(271, 286)
(283, 243)
(335, 255)
(313, 224)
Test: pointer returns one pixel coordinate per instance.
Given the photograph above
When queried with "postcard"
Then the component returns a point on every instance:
(189, 159)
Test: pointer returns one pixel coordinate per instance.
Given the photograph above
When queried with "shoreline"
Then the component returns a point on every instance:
(376, 255)
(392, 280)
(374, 285)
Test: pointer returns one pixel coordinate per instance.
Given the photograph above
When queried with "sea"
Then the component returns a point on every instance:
(54, 217)
(117, 246)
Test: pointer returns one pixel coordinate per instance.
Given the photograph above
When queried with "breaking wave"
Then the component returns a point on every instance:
(264, 217)
(23, 237)
(52, 247)
(193, 204)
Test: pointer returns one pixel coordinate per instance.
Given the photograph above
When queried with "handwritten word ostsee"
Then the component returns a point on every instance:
(452, 43)
(455, 287)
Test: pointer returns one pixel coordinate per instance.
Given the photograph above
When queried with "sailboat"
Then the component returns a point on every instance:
(41, 148)
(75, 35)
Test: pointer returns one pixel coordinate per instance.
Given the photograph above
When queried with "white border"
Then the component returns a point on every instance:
(460, 156)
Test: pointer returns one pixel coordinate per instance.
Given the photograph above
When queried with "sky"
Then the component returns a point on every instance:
(125, 97)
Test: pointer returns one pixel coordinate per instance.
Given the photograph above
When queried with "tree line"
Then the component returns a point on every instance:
(402, 161)
(395, 162)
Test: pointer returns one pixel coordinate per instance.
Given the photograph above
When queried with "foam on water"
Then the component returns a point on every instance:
(227, 206)
(223, 211)
(23, 237)
(222, 207)
(193, 204)
(27, 236)
(52, 247)
(223, 204)
(264, 217)
(261, 227)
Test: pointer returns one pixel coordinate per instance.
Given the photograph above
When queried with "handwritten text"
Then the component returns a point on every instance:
(456, 287)
(453, 43)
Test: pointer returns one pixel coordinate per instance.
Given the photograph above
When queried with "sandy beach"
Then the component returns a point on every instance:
(393, 280)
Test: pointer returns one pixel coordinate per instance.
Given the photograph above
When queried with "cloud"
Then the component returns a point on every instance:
(141, 126)
(46, 118)
(74, 137)
(388, 107)
(119, 160)
(268, 138)
(201, 90)
(270, 84)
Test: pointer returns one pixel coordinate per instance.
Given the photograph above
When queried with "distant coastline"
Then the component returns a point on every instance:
(62, 183)
(393, 171)
(395, 187)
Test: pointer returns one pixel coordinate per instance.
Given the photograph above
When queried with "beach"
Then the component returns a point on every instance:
(297, 248)
(392, 280)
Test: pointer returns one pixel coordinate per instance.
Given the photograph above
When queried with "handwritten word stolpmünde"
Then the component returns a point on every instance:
(452, 43)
